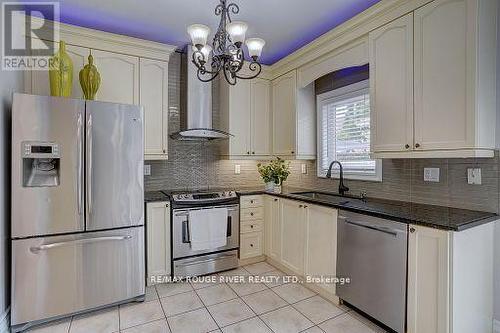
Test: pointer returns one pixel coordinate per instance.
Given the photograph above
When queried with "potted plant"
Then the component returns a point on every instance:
(266, 175)
(276, 172)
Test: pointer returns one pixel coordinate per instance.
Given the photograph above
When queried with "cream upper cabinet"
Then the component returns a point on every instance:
(260, 92)
(391, 85)
(294, 118)
(428, 280)
(119, 77)
(154, 98)
(321, 244)
(272, 228)
(245, 113)
(293, 235)
(454, 82)
(40, 79)
(284, 105)
(158, 240)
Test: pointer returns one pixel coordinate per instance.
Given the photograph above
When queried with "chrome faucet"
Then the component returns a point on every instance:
(342, 188)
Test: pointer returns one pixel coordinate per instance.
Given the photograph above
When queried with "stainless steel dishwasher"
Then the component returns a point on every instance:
(372, 252)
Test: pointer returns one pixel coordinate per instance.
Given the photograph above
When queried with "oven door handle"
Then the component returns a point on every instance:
(186, 237)
(229, 226)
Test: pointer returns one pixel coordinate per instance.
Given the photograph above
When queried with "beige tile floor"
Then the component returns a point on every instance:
(222, 307)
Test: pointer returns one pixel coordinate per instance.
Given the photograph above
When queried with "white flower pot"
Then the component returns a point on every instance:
(270, 186)
(277, 188)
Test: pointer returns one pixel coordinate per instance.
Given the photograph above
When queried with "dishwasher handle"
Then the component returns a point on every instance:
(385, 230)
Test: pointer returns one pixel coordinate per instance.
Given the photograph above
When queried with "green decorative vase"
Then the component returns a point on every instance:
(61, 73)
(90, 79)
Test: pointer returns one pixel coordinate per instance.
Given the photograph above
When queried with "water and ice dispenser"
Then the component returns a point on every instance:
(41, 164)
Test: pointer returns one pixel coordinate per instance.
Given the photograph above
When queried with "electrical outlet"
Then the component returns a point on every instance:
(431, 175)
(303, 168)
(147, 170)
(237, 169)
(474, 176)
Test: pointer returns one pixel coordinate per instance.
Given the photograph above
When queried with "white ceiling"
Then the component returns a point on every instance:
(286, 25)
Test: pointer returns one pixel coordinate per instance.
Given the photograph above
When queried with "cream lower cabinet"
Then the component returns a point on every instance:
(246, 115)
(158, 241)
(321, 245)
(272, 232)
(450, 280)
(154, 98)
(428, 280)
(293, 216)
(251, 226)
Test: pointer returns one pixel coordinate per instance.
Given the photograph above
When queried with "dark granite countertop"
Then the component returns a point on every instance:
(154, 196)
(439, 217)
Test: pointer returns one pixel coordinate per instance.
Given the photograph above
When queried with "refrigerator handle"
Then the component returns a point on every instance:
(80, 162)
(89, 165)
(36, 249)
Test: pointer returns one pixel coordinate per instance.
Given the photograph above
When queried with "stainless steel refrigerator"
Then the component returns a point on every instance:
(77, 207)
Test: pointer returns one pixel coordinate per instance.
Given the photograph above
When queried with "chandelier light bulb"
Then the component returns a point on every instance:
(237, 31)
(206, 51)
(199, 34)
(255, 46)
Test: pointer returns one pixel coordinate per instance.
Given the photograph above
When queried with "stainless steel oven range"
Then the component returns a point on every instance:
(189, 262)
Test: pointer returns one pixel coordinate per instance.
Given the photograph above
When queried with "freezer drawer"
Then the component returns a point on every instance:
(60, 275)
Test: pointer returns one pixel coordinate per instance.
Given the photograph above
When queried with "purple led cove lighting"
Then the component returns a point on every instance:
(96, 19)
(321, 28)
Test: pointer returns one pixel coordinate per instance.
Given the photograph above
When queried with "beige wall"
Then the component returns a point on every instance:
(9, 82)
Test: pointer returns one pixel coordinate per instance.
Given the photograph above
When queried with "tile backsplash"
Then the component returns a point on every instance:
(196, 165)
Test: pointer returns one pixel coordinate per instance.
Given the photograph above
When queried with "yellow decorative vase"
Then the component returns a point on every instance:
(90, 79)
(61, 73)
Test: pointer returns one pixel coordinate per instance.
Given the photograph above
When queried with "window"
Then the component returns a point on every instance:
(344, 132)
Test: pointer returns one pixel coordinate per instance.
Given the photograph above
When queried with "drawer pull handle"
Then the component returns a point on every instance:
(251, 214)
(251, 201)
(251, 226)
(251, 245)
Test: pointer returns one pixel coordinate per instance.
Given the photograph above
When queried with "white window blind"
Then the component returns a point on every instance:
(344, 132)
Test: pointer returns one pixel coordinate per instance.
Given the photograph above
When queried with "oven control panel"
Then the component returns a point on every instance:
(204, 196)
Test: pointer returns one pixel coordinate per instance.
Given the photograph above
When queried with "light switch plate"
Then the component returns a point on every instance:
(431, 175)
(474, 176)
(237, 169)
(303, 168)
(147, 170)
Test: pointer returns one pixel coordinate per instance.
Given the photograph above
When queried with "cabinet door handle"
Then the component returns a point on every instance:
(293, 152)
(300, 206)
(275, 199)
(248, 153)
(417, 145)
(305, 206)
(253, 153)
(407, 146)
(251, 226)
(412, 230)
(251, 201)
(251, 245)
(251, 214)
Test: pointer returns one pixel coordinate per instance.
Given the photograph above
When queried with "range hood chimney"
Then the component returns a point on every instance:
(196, 106)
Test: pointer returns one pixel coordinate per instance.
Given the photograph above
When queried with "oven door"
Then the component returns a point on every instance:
(180, 238)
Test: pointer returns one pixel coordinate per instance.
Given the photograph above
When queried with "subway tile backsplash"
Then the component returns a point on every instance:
(196, 165)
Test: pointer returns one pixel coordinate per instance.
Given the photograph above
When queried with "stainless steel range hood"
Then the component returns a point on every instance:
(196, 106)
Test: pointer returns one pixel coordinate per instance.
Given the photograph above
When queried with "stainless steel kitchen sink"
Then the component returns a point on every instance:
(328, 197)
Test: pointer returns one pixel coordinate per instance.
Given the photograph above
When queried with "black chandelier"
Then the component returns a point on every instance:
(226, 52)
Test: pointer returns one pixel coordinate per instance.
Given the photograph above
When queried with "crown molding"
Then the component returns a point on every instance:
(106, 41)
(381, 13)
